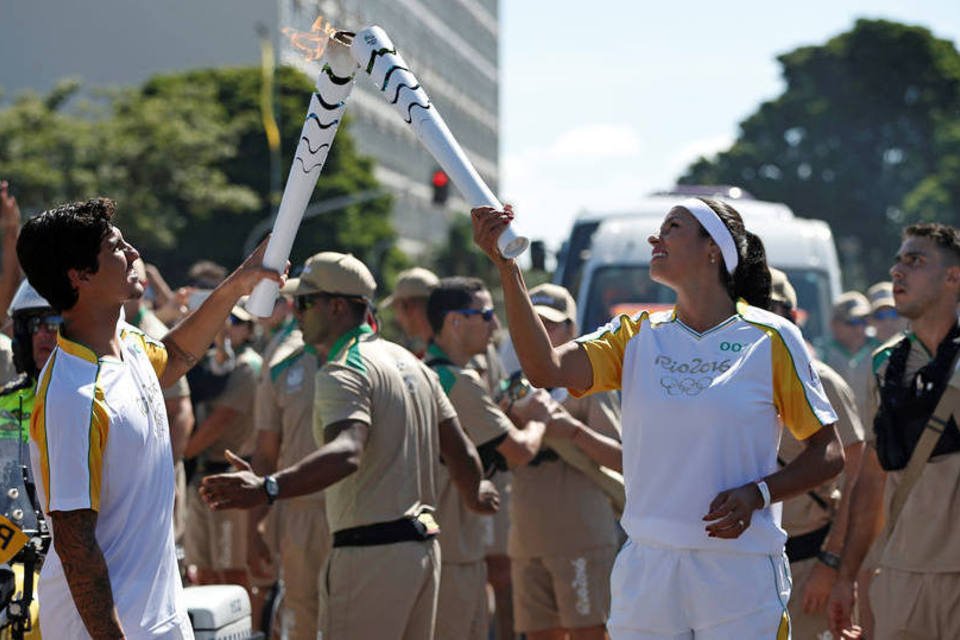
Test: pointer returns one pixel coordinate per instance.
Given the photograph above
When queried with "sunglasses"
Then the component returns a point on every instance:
(486, 314)
(304, 302)
(234, 320)
(50, 323)
(885, 314)
(856, 322)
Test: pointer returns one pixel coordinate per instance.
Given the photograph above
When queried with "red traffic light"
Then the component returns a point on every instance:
(440, 179)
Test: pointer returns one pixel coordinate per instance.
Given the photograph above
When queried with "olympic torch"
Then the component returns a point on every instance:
(327, 104)
(376, 55)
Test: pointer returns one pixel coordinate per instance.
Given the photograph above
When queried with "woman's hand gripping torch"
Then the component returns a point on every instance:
(334, 83)
(377, 56)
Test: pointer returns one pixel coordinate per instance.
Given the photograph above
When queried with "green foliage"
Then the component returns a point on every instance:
(459, 256)
(187, 160)
(864, 136)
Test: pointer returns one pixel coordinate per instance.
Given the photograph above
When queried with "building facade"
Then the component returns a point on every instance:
(451, 46)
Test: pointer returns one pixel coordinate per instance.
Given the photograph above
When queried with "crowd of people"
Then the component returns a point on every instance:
(359, 487)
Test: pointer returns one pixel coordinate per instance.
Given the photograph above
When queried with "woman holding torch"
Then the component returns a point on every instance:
(705, 390)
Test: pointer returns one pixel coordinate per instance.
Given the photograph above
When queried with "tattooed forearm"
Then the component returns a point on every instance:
(179, 361)
(86, 572)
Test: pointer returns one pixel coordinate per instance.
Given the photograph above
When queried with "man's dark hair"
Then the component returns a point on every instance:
(449, 295)
(751, 279)
(946, 237)
(64, 238)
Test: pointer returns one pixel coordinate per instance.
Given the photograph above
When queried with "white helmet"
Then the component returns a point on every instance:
(27, 297)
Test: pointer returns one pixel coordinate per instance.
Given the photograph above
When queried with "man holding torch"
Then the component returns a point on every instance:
(100, 443)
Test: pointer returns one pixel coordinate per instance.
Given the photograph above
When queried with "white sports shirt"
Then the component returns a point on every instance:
(700, 416)
(99, 440)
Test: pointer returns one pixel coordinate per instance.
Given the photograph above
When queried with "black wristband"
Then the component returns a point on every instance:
(832, 560)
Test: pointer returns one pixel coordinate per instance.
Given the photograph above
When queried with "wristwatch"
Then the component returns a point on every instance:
(272, 488)
(832, 560)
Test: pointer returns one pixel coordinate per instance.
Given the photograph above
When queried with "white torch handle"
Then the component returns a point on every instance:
(327, 105)
(377, 56)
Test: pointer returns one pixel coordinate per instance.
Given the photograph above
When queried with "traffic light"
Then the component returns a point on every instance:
(441, 187)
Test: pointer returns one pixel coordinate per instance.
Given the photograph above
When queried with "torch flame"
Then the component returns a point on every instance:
(311, 43)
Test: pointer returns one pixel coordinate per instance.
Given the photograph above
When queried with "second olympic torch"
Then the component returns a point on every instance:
(327, 105)
(376, 55)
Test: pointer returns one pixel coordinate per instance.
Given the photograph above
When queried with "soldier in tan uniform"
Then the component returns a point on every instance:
(848, 351)
(561, 583)
(384, 420)
(409, 304)
(884, 319)
(284, 422)
(816, 522)
(461, 314)
(216, 542)
(917, 589)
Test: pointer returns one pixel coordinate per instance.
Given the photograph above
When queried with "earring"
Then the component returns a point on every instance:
(713, 259)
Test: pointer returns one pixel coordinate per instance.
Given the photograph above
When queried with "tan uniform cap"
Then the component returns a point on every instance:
(553, 302)
(335, 273)
(412, 283)
(781, 290)
(880, 295)
(850, 305)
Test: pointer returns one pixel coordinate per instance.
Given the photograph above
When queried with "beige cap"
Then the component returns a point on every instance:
(412, 283)
(880, 295)
(781, 290)
(553, 302)
(850, 305)
(334, 273)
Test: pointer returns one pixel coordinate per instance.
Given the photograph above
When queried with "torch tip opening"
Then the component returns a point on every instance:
(344, 37)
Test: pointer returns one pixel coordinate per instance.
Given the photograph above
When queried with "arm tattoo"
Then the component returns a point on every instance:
(86, 571)
(177, 352)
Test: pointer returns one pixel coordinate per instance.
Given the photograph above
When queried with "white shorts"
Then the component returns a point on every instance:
(682, 594)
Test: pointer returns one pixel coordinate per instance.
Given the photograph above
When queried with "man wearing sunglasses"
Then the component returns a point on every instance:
(462, 318)
(384, 421)
(848, 352)
(884, 318)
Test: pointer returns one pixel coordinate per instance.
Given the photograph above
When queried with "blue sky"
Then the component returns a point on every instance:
(604, 102)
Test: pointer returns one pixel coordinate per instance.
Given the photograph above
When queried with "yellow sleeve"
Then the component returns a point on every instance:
(155, 350)
(605, 349)
(797, 391)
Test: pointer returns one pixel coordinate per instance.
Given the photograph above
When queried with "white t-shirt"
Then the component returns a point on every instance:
(700, 416)
(99, 440)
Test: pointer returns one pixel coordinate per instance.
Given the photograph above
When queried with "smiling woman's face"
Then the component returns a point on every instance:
(679, 249)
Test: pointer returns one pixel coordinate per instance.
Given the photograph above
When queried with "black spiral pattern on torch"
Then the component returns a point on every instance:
(313, 151)
(334, 78)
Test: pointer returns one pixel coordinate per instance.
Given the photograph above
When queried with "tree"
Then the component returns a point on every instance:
(186, 158)
(865, 136)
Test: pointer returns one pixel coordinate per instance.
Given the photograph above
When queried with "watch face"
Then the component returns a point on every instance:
(271, 487)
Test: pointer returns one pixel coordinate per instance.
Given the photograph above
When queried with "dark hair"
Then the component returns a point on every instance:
(451, 294)
(64, 238)
(946, 237)
(751, 279)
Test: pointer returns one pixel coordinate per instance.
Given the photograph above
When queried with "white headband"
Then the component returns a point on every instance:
(717, 230)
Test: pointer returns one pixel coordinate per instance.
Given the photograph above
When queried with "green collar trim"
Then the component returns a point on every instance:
(349, 336)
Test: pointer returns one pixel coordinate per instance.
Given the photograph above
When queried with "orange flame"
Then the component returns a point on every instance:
(311, 43)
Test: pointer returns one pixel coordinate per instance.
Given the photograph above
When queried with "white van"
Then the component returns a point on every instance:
(606, 260)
